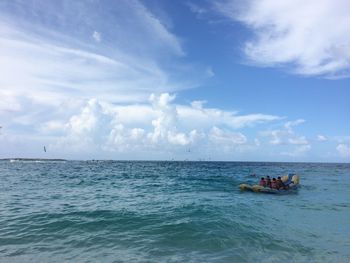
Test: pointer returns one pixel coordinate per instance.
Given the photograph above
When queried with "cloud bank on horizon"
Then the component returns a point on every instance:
(104, 80)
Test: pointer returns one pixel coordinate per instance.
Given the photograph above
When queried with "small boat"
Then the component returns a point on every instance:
(292, 180)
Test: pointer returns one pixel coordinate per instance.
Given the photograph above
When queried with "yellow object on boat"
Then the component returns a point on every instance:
(257, 188)
(244, 186)
(296, 179)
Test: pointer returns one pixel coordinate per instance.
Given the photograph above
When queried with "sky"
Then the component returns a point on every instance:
(227, 80)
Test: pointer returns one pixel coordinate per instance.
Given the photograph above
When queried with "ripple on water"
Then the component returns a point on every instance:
(170, 212)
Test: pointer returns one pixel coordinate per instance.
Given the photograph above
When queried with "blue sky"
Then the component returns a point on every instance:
(254, 81)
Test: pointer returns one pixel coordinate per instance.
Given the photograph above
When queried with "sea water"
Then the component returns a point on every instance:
(127, 211)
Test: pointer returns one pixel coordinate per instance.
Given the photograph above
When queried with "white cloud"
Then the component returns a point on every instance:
(288, 125)
(226, 138)
(52, 126)
(50, 73)
(51, 53)
(53, 60)
(251, 119)
(97, 36)
(198, 104)
(160, 126)
(196, 9)
(343, 150)
(91, 119)
(9, 103)
(287, 137)
(300, 140)
(165, 125)
(205, 117)
(310, 37)
(298, 151)
(89, 129)
(321, 138)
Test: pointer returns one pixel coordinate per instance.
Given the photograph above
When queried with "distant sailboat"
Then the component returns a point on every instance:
(44, 149)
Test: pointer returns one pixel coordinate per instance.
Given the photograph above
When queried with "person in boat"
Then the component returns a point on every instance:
(280, 184)
(274, 183)
(268, 181)
(262, 182)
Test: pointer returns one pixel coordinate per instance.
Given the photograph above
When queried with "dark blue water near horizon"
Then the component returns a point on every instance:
(143, 211)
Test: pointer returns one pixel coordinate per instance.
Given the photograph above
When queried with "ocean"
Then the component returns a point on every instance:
(144, 211)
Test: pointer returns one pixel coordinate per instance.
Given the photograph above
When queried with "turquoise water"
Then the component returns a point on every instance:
(113, 211)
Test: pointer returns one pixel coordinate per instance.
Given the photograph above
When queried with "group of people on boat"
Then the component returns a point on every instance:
(273, 184)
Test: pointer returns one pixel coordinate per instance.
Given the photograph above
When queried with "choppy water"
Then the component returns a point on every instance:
(110, 211)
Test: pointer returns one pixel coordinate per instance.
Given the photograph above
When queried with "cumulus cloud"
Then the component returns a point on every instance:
(155, 127)
(57, 56)
(87, 130)
(307, 37)
(288, 137)
(52, 126)
(165, 125)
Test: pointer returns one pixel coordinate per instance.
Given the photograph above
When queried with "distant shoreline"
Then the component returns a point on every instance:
(193, 161)
(32, 159)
